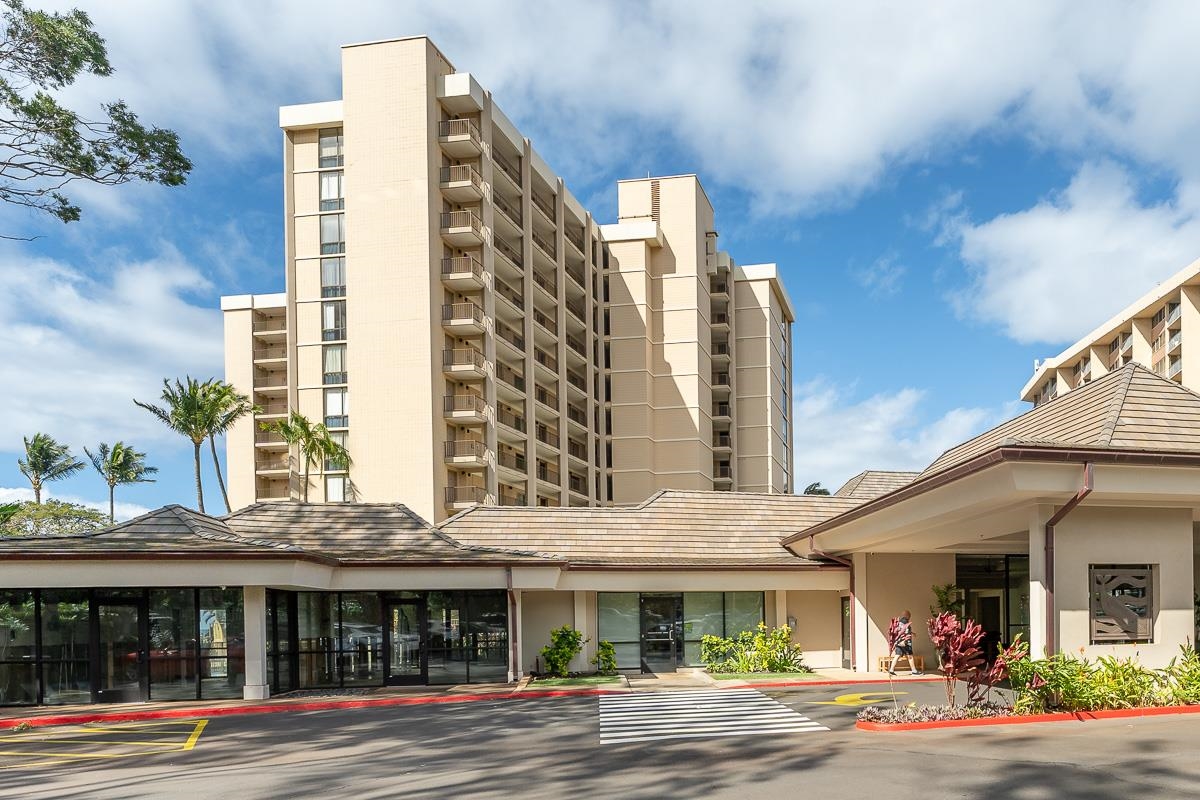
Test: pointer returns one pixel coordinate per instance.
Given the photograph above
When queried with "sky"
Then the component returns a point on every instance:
(950, 190)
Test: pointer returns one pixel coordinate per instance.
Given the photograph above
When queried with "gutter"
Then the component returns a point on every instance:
(849, 565)
(1058, 517)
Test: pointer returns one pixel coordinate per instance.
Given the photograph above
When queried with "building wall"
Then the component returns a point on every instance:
(1159, 537)
(763, 344)
(818, 628)
(542, 612)
(887, 584)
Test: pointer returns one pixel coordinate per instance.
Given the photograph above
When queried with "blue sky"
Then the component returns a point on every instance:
(950, 192)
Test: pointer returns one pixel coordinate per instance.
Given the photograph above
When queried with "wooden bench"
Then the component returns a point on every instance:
(885, 661)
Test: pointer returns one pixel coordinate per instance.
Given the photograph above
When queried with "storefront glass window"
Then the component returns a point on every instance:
(65, 638)
(173, 644)
(18, 638)
(620, 623)
(222, 643)
(361, 642)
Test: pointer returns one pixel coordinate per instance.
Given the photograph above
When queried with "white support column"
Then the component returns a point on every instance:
(862, 621)
(583, 662)
(254, 604)
(781, 610)
(1039, 647)
(515, 670)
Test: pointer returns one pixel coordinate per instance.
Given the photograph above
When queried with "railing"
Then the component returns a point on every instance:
(464, 402)
(571, 236)
(462, 311)
(1176, 311)
(463, 357)
(576, 344)
(547, 245)
(577, 414)
(272, 408)
(461, 173)
(268, 437)
(547, 473)
(510, 294)
(718, 287)
(547, 436)
(464, 448)
(722, 440)
(464, 494)
(1175, 340)
(546, 282)
(720, 318)
(724, 471)
(1175, 368)
(576, 273)
(510, 419)
(462, 265)
(577, 449)
(508, 251)
(546, 322)
(512, 498)
(448, 128)
(577, 483)
(271, 463)
(546, 397)
(271, 325)
(576, 307)
(274, 351)
(545, 206)
(510, 376)
(577, 380)
(510, 335)
(720, 379)
(507, 167)
(270, 379)
(513, 213)
(721, 410)
(545, 359)
(720, 348)
(462, 219)
(511, 459)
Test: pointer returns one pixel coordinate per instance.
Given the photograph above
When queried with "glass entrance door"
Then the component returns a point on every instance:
(405, 653)
(121, 675)
(662, 631)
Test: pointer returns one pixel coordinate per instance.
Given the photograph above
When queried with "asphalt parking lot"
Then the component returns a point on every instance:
(740, 744)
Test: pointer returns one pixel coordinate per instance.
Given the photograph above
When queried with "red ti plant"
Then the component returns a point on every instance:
(957, 645)
(893, 635)
(979, 686)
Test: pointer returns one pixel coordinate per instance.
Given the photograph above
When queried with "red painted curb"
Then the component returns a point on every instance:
(1062, 716)
(276, 708)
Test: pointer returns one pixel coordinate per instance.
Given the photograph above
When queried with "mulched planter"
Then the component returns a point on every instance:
(1022, 719)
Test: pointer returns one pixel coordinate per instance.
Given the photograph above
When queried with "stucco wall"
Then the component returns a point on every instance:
(818, 628)
(896, 582)
(1159, 537)
(541, 612)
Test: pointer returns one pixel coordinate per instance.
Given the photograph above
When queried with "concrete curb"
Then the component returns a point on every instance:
(740, 684)
(1063, 716)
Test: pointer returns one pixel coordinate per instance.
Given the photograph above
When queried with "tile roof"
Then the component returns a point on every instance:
(1130, 408)
(872, 483)
(671, 528)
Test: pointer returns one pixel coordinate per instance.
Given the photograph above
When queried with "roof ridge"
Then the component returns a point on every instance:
(1118, 406)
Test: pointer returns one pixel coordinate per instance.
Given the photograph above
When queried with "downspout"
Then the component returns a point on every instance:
(514, 667)
(849, 565)
(1058, 517)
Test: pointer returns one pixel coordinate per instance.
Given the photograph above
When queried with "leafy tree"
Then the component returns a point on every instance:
(46, 460)
(52, 518)
(816, 488)
(119, 465)
(947, 597)
(229, 406)
(187, 409)
(314, 441)
(44, 145)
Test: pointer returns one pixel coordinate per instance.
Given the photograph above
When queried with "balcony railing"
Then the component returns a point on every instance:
(576, 273)
(577, 449)
(575, 237)
(547, 436)
(510, 376)
(270, 379)
(271, 325)
(464, 494)
(464, 402)
(720, 318)
(1175, 367)
(512, 212)
(545, 281)
(721, 410)
(512, 459)
(461, 311)
(268, 437)
(724, 471)
(510, 335)
(507, 167)
(576, 307)
(576, 344)
(545, 359)
(577, 483)
(545, 206)
(462, 219)
(462, 265)
(512, 498)
(722, 440)
(464, 448)
(718, 287)
(448, 128)
(547, 322)
(546, 397)
(463, 357)
(545, 472)
(577, 380)
(577, 414)
(461, 173)
(720, 348)
(508, 251)
(546, 244)
(510, 294)
(270, 409)
(510, 419)
(720, 379)
(279, 463)
(273, 351)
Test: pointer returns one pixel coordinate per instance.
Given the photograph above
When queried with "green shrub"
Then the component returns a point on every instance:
(1183, 677)
(606, 658)
(1066, 683)
(761, 650)
(565, 644)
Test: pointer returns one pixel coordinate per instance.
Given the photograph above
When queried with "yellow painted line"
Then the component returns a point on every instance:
(171, 749)
(191, 741)
(95, 742)
(857, 699)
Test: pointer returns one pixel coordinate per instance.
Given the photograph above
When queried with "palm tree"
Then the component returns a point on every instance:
(314, 441)
(816, 488)
(229, 406)
(46, 460)
(189, 411)
(119, 465)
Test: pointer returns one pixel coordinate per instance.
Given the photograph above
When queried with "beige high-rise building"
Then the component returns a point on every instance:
(462, 324)
(1149, 332)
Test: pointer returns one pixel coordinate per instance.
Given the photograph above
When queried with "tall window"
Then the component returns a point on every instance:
(333, 277)
(332, 198)
(332, 465)
(335, 488)
(334, 357)
(333, 321)
(337, 408)
(333, 234)
(330, 147)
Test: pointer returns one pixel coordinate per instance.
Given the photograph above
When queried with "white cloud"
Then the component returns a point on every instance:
(1052, 272)
(78, 348)
(838, 435)
(121, 509)
(882, 277)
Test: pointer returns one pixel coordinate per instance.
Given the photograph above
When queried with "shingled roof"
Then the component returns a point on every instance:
(671, 528)
(872, 483)
(1131, 408)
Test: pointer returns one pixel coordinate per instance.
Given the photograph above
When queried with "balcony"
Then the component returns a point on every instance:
(1175, 368)
(577, 309)
(461, 183)
(509, 252)
(508, 210)
(575, 237)
(509, 294)
(720, 350)
(463, 273)
(462, 229)
(718, 286)
(546, 397)
(547, 282)
(545, 206)
(464, 409)
(515, 423)
(1174, 342)
(547, 472)
(270, 328)
(274, 352)
(460, 138)
(510, 336)
(511, 497)
(577, 449)
(546, 321)
(723, 474)
(547, 436)
(507, 167)
(577, 380)
(722, 441)
(577, 415)
(722, 411)
(576, 345)
(544, 359)
(269, 440)
(546, 244)
(577, 483)
(720, 379)
(511, 460)
(271, 409)
(464, 363)
(464, 496)
(720, 319)
(508, 376)
(464, 454)
(272, 465)
(463, 319)
(576, 273)
(270, 382)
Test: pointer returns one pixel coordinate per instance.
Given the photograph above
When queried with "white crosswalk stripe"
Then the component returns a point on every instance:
(696, 714)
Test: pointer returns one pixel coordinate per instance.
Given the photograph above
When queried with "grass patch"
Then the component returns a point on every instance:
(764, 676)
(582, 680)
